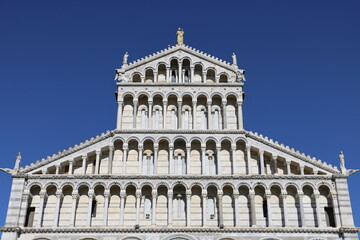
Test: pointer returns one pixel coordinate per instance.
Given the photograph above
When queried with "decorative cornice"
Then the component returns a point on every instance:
(170, 84)
(176, 230)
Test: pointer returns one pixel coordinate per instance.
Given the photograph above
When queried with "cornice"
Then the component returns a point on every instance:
(170, 84)
(178, 230)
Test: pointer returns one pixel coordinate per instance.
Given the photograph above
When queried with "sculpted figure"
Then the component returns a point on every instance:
(17, 161)
(125, 59)
(342, 162)
(234, 59)
(180, 36)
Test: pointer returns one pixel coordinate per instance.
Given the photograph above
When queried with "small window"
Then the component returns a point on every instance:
(147, 216)
(30, 217)
(330, 221)
(265, 209)
(93, 208)
(212, 216)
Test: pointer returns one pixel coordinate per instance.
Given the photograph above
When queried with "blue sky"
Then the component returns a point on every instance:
(57, 62)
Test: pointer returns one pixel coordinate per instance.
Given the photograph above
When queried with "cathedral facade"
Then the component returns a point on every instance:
(179, 166)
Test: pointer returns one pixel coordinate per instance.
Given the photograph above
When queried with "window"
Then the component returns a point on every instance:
(186, 76)
(329, 212)
(265, 212)
(29, 221)
(173, 76)
(93, 208)
(179, 206)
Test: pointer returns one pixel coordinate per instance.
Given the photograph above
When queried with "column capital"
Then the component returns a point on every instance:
(111, 147)
(140, 147)
(44, 171)
(239, 103)
(194, 102)
(125, 146)
(164, 102)
(208, 102)
(91, 193)
(138, 193)
(154, 193)
(120, 102)
(224, 102)
(204, 193)
(236, 195)
(59, 194)
(233, 147)
(150, 101)
(135, 100)
(274, 157)
(71, 161)
(57, 165)
(171, 145)
(75, 195)
(106, 193)
(261, 152)
(98, 152)
(156, 146)
(283, 194)
(84, 157)
(315, 195)
(188, 146)
(122, 194)
(248, 146)
(42, 194)
(25, 196)
(288, 161)
(218, 147)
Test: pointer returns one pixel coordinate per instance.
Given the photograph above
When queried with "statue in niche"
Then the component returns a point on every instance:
(234, 59)
(180, 36)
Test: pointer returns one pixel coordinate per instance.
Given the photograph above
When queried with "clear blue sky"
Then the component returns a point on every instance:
(57, 62)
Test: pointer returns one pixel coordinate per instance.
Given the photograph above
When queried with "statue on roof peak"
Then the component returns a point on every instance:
(16, 167)
(180, 36)
(234, 59)
(125, 59)
(17, 161)
(343, 169)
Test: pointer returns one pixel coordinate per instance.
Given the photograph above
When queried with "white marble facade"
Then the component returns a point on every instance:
(179, 165)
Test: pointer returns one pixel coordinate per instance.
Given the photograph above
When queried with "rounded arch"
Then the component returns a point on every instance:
(127, 94)
(133, 138)
(226, 139)
(56, 185)
(196, 139)
(131, 238)
(155, 94)
(179, 183)
(149, 68)
(117, 138)
(34, 184)
(276, 184)
(271, 238)
(143, 93)
(244, 184)
(174, 58)
(228, 184)
(291, 184)
(144, 184)
(309, 184)
(186, 58)
(67, 184)
(175, 94)
(114, 184)
(79, 185)
(256, 184)
(180, 137)
(130, 184)
(196, 184)
(87, 238)
(162, 63)
(163, 138)
(188, 94)
(178, 236)
(99, 184)
(216, 94)
(211, 138)
(162, 184)
(148, 138)
(136, 73)
(232, 94)
(211, 68)
(242, 139)
(199, 63)
(212, 184)
(318, 185)
(202, 94)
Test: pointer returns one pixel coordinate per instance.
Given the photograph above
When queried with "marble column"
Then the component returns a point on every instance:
(252, 208)
(170, 209)
(180, 72)
(140, 159)
(203, 160)
(168, 74)
(164, 114)
(89, 211)
(138, 197)
(218, 160)
(171, 159)
(302, 167)
(204, 208)
(236, 209)
(204, 77)
(316, 196)
(71, 167)
(156, 154)
(269, 215)
(248, 159)
(223, 106)
(150, 125)
(75, 197)
(122, 206)
(274, 159)
(41, 208)
(125, 148)
(155, 76)
(300, 197)
(262, 168)
(154, 198)
(240, 117)
(192, 74)
(194, 115)
(135, 112)
(59, 195)
(111, 156)
(188, 151)
(288, 167)
(84, 157)
(179, 115)
(57, 169)
(233, 158)
(210, 126)
(221, 212)
(119, 115)
(335, 203)
(188, 208)
(285, 210)
(106, 207)
(97, 161)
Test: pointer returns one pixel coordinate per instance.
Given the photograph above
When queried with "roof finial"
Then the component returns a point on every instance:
(234, 59)
(180, 36)
(343, 169)
(125, 59)
(17, 161)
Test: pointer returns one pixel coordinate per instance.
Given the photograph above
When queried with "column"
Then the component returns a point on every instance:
(24, 207)
(262, 169)
(106, 207)
(203, 163)
(171, 159)
(192, 73)
(209, 115)
(252, 206)
(154, 197)
(155, 77)
(84, 157)
(156, 151)
(71, 166)
(150, 125)
(286, 217)
(316, 196)
(41, 208)
(125, 147)
(236, 208)
(88, 219)
(75, 196)
(234, 163)
(57, 208)
(57, 168)
(302, 167)
(268, 200)
(218, 159)
(274, 159)
(140, 169)
(188, 149)
(168, 74)
(300, 197)
(170, 209)
(288, 167)
(248, 159)
(204, 210)
(188, 208)
(97, 161)
(122, 206)
(138, 196)
(240, 117)
(179, 114)
(204, 77)
(334, 197)
(119, 115)
(180, 72)
(111, 154)
(142, 79)
(224, 114)
(194, 115)
(164, 113)
(135, 112)
(221, 212)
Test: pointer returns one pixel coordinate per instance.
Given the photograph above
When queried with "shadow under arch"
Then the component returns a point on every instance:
(182, 236)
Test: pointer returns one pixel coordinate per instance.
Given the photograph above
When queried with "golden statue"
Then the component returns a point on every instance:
(180, 36)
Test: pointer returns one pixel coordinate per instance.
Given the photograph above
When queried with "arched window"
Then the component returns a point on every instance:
(179, 164)
(148, 167)
(173, 76)
(211, 208)
(179, 206)
(216, 121)
(186, 76)
(147, 206)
